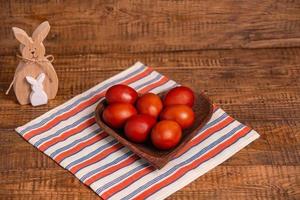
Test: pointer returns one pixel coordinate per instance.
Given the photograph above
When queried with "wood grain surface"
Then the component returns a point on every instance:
(245, 54)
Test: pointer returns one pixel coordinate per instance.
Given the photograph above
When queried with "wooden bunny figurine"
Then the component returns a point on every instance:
(38, 96)
(33, 63)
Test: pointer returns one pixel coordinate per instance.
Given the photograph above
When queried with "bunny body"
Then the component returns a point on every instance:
(22, 88)
(37, 96)
(34, 63)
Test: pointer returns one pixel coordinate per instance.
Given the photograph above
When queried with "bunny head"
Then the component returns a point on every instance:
(32, 47)
(36, 84)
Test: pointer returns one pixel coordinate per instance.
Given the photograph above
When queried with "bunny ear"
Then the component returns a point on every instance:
(40, 78)
(21, 36)
(40, 33)
(31, 80)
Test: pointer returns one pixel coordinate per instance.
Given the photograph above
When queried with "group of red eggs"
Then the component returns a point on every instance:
(149, 116)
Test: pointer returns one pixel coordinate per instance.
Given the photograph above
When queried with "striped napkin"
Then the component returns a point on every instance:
(71, 137)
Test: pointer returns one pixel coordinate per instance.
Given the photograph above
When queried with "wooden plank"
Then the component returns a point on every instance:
(223, 182)
(153, 26)
(246, 182)
(266, 166)
(42, 183)
(278, 145)
(260, 85)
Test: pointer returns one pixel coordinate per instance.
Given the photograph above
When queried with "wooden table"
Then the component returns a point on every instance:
(245, 54)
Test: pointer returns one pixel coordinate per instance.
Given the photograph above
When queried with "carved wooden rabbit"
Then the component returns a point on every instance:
(33, 63)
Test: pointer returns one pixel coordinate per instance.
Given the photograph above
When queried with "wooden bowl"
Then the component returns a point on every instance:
(203, 109)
